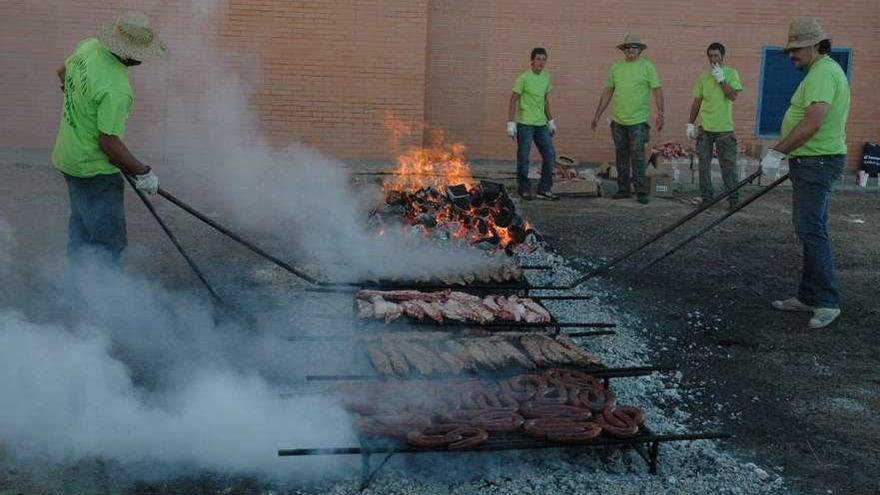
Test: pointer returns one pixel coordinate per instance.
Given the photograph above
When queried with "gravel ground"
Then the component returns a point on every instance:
(658, 324)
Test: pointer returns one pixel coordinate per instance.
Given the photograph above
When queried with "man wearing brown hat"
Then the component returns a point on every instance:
(814, 141)
(89, 150)
(629, 85)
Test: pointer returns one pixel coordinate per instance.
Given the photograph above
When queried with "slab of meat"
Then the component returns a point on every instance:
(432, 309)
(534, 307)
(400, 295)
(577, 354)
(513, 354)
(395, 357)
(532, 344)
(365, 309)
(384, 309)
(460, 351)
(412, 309)
(379, 359)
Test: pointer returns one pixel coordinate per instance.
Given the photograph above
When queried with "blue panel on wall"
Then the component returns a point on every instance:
(779, 79)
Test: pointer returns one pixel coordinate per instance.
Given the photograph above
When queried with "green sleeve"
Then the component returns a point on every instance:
(819, 89)
(519, 86)
(113, 110)
(609, 81)
(734, 81)
(653, 77)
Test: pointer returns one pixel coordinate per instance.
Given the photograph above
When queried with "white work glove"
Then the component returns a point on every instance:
(551, 124)
(511, 129)
(718, 73)
(692, 131)
(771, 161)
(147, 183)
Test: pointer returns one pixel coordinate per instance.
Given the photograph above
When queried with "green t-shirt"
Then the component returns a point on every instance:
(716, 110)
(97, 98)
(532, 90)
(632, 83)
(824, 82)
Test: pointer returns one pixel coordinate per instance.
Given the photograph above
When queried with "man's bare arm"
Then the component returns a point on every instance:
(695, 110)
(119, 155)
(604, 100)
(511, 107)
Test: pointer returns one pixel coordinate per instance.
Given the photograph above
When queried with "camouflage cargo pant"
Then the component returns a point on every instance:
(629, 149)
(725, 142)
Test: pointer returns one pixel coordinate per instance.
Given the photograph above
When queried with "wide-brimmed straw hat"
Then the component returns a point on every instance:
(131, 36)
(632, 39)
(804, 31)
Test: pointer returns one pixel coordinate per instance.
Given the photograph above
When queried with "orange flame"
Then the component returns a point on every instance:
(440, 165)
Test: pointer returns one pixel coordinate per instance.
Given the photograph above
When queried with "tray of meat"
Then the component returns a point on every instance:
(450, 307)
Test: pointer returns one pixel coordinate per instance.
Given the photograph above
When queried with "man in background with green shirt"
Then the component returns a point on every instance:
(529, 119)
(89, 150)
(814, 141)
(630, 84)
(714, 93)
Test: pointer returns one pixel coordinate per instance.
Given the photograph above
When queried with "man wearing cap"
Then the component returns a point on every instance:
(814, 141)
(714, 93)
(629, 85)
(89, 150)
(529, 119)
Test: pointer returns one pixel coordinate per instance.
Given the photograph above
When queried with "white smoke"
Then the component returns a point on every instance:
(295, 195)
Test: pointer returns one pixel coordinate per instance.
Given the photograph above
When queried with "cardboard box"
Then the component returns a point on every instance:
(660, 186)
(577, 187)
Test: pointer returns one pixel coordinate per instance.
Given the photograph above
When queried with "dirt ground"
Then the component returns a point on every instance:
(809, 400)
(806, 401)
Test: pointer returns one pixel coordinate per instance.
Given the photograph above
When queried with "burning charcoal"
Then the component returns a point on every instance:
(476, 198)
(517, 233)
(491, 190)
(458, 195)
(482, 226)
(504, 218)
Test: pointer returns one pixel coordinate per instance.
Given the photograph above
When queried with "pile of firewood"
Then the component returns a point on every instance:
(443, 355)
(448, 305)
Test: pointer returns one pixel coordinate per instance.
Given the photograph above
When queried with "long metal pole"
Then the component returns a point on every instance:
(223, 230)
(705, 206)
(189, 261)
(717, 221)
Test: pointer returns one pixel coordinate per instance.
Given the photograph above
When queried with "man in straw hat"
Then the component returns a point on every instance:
(630, 83)
(89, 150)
(814, 141)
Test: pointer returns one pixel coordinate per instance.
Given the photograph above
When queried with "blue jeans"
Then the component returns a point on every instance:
(97, 217)
(540, 134)
(811, 180)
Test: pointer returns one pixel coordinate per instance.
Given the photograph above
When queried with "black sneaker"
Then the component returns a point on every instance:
(621, 195)
(526, 196)
(549, 196)
(643, 199)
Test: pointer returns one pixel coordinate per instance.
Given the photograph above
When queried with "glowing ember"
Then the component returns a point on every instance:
(433, 187)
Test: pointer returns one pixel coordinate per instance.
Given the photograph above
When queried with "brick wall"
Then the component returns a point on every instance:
(326, 73)
(476, 49)
(321, 73)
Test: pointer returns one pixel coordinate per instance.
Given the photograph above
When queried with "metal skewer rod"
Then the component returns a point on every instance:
(189, 261)
(223, 230)
(717, 221)
(705, 206)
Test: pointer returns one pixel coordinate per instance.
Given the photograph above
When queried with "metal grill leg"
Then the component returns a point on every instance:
(365, 471)
(654, 454)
